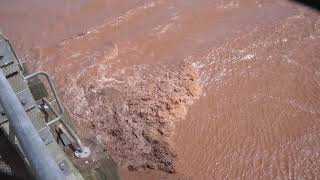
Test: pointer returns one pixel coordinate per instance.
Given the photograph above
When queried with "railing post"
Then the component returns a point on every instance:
(42, 163)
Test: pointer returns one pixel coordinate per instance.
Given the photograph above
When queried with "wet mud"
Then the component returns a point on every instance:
(184, 89)
(132, 112)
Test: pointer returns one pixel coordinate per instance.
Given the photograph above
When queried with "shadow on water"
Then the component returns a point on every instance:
(315, 4)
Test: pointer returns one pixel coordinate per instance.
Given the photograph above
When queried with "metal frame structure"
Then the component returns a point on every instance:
(54, 91)
(81, 151)
(43, 165)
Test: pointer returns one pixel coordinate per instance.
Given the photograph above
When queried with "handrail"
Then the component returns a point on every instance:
(41, 162)
(54, 91)
(82, 149)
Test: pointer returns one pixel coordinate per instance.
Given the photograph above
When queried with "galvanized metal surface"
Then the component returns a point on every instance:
(26, 100)
(81, 151)
(42, 164)
(8, 47)
(46, 136)
(65, 168)
(7, 56)
(15, 77)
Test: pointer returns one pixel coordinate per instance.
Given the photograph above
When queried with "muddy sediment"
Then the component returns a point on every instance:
(134, 113)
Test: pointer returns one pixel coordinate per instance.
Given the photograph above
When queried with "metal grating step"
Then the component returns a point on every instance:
(6, 53)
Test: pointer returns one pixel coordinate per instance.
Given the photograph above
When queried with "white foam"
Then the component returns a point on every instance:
(248, 57)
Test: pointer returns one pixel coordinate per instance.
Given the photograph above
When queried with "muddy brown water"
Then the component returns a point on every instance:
(257, 115)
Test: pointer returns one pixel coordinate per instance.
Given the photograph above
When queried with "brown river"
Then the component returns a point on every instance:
(237, 82)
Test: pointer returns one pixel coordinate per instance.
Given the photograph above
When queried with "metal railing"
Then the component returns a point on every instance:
(41, 162)
(54, 91)
(81, 151)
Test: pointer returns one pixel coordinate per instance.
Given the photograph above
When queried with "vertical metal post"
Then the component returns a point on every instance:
(42, 163)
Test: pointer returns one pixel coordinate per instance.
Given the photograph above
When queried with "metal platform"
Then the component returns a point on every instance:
(13, 70)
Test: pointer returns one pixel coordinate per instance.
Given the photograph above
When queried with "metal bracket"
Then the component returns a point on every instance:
(70, 136)
(64, 167)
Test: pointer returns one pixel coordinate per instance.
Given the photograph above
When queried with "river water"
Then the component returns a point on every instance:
(257, 116)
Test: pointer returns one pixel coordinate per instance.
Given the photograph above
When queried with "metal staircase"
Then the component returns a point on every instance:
(38, 111)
